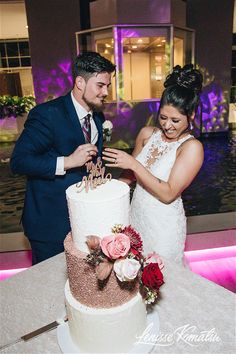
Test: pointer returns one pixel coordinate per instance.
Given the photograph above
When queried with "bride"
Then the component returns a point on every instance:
(164, 162)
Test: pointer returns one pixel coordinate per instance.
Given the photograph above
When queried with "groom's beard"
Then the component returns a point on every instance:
(95, 107)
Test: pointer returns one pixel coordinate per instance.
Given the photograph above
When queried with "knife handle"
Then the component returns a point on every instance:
(38, 331)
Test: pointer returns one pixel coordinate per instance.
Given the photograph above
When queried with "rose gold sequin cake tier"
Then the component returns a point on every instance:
(85, 286)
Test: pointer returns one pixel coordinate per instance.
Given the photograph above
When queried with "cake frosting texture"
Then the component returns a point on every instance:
(95, 212)
(112, 330)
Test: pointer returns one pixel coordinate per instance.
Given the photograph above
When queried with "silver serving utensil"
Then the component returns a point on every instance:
(36, 333)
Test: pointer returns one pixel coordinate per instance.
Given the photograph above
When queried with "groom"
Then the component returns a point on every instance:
(59, 138)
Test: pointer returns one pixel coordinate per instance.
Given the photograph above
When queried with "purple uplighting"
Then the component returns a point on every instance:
(130, 33)
(131, 117)
(53, 83)
(214, 112)
(65, 67)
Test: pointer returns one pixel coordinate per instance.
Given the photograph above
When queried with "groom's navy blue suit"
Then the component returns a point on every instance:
(51, 130)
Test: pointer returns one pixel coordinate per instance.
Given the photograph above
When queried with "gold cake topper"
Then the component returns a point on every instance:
(95, 178)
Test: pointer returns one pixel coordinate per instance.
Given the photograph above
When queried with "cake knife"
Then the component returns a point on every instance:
(35, 333)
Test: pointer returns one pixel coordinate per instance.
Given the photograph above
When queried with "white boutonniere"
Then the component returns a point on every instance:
(107, 130)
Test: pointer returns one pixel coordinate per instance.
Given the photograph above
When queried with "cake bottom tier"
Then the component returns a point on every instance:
(112, 330)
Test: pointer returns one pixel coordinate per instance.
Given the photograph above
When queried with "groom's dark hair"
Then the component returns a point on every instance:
(89, 63)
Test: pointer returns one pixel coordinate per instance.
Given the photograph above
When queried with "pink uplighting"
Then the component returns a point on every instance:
(215, 264)
(7, 273)
(14, 262)
(210, 254)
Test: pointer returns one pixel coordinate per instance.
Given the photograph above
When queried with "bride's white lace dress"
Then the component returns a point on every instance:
(161, 226)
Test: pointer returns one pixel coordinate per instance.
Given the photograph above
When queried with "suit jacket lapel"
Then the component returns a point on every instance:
(74, 118)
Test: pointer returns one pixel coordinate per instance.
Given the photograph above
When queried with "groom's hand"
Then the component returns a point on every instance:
(83, 154)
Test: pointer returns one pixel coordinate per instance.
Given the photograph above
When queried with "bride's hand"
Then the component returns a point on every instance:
(118, 158)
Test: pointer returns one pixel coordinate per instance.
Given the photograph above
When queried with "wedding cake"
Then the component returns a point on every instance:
(95, 212)
(106, 312)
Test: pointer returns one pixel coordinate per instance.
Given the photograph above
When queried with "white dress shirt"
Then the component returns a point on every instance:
(81, 113)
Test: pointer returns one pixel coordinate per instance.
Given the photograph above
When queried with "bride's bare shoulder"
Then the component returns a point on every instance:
(142, 139)
(146, 132)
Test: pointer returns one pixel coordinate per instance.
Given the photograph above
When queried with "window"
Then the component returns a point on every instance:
(14, 53)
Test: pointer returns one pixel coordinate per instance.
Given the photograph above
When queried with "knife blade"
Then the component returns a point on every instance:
(35, 333)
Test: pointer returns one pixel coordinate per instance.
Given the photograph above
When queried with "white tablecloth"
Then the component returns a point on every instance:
(189, 303)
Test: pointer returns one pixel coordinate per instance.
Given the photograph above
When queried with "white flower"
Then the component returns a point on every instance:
(126, 269)
(107, 125)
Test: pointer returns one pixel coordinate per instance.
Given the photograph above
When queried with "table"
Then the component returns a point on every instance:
(189, 303)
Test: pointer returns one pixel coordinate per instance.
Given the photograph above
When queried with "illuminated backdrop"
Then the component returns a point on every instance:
(129, 117)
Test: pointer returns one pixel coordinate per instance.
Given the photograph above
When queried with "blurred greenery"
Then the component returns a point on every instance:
(14, 106)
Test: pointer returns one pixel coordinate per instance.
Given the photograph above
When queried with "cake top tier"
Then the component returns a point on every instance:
(96, 211)
(108, 191)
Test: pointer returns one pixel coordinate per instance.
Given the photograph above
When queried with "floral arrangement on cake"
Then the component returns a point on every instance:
(122, 252)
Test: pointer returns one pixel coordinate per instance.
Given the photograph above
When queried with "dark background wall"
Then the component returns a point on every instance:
(213, 22)
(52, 26)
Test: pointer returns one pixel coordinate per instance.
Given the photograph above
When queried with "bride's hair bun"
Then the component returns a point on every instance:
(186, 77)
(182, 90)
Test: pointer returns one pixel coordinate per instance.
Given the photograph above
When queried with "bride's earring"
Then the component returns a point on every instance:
(190, 126)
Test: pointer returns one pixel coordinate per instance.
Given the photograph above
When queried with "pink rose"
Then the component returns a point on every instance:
(126, 269)
(154, 258)
(115, 246)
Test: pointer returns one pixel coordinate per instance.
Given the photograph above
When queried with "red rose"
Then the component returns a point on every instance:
(152, 277)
